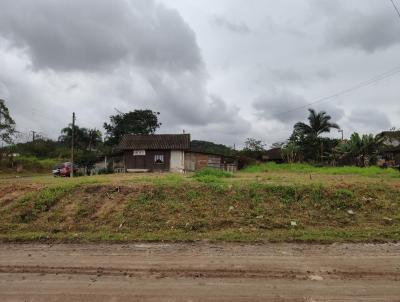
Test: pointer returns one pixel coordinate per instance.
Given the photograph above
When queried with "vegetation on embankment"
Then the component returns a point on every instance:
(182, 208)
(28, 164)
(372, 171)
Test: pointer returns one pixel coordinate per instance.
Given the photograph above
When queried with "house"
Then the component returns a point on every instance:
(390, 153)
(166, 152)
(157, 152)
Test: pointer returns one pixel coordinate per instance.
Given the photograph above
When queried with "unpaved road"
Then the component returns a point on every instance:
(199, 272)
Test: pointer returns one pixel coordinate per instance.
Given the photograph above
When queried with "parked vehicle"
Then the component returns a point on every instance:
(63, 170)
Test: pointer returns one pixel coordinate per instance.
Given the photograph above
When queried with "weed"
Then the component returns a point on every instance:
(317, 193)
(33, 204)
(344, 194)
(209, 179)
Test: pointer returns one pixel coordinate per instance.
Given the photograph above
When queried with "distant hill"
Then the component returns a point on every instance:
(209, 147)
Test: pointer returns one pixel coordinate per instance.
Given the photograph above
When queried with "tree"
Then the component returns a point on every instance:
(79, 139)
(139, 122)
(209, 147)
(7, 124)
(318, 123)
(362, 150)
(85, 139)
(94, 139)
(308, 135)
(253, 150)
(253, 145)
(290, 152)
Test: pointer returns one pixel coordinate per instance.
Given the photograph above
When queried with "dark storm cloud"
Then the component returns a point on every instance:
(236, 27)
(276, 105)
(369, 119)
(288, 107)
(90, 34)
(93, 55)
(96, 55)
(368, 31)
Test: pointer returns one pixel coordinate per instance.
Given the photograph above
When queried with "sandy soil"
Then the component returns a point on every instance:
(200, 272)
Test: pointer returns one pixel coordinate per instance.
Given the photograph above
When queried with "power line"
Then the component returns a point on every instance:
(396, 8)
(358, 86)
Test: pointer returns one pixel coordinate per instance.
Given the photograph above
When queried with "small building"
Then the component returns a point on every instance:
(197, 160)
(390, 153)
(157, 152)
(167, 152)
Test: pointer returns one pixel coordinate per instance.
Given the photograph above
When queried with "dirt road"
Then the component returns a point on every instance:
(199, 272)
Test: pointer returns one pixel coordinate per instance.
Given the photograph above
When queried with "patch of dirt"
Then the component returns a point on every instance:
(12, 192)
(200, 272)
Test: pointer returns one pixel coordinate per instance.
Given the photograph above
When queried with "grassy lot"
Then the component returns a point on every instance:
(266, 202)
(305, 168)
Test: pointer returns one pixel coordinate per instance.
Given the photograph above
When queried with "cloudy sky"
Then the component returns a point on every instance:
(222, 70)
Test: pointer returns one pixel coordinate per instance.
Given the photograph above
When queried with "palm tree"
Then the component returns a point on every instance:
(362, 150)
(318, 123)
(94, 138)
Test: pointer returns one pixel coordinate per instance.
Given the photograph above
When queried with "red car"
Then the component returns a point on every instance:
(63, 170)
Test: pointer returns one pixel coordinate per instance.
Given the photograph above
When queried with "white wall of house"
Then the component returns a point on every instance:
(177, 162)
(392, 142)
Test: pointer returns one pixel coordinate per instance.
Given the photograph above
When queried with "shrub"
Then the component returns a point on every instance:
(31, 163)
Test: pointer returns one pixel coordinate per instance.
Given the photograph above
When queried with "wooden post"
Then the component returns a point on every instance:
(72, 145)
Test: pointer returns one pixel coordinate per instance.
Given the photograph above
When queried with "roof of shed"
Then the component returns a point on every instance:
(391, 134)
(155, 142)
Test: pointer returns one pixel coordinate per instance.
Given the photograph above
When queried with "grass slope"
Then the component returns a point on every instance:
(174, 207)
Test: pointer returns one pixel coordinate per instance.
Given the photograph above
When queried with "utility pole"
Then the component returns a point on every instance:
(341, 131)
(33, 135)
(72, 144)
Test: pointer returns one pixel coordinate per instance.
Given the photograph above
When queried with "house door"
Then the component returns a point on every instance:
(140, 162)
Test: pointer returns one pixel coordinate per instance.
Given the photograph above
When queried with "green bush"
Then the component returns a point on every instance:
(30, 163)
(211, 175)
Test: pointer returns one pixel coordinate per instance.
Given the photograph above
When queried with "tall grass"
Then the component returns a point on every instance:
(307, 168)
(211, 175)
(32, 164)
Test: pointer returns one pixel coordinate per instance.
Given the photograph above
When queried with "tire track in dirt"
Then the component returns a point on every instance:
(200, 273)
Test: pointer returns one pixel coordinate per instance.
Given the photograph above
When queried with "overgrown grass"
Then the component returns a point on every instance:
(176, 207)
(31, 205)
(306, 168)
(211, 175)
(33, 164)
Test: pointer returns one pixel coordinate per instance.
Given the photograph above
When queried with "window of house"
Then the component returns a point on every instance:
(159, 159)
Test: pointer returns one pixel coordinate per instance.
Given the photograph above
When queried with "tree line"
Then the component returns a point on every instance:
(305, 144)
(90, 145)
